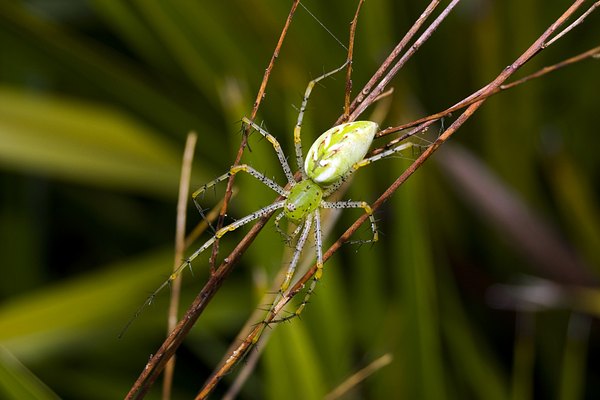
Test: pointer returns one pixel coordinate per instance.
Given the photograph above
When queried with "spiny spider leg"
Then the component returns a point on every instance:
(282, 159)
(296, 257)
(364, 162)
(234, 170)
(357, 204)
(187, 262)
(384, 154)
(298, 127)
(306, 227)
(317, 275)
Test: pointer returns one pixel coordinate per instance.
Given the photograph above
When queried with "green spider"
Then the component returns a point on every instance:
(331, 159)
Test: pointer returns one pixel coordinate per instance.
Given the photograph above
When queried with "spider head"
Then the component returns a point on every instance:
(304, 198)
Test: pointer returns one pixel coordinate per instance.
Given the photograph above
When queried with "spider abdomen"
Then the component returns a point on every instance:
(304, 198)
(334, 153)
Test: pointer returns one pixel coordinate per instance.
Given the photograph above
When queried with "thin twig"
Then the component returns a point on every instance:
(476, 97)
(259, 97)
(377, 90)
(575, 23)
(182, 201)
(390, 59)
(349, 61)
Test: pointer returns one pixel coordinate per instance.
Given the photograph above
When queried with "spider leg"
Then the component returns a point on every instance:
(296, 257)
(331, 189)
(282, 159)
(289, 275)
(384, 154)
(232, 171)
(318, 273)
(298, 127)
(188, 261)
(219, 234)
(356, 204)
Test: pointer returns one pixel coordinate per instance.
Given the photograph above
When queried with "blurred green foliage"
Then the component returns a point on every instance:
(96, 98)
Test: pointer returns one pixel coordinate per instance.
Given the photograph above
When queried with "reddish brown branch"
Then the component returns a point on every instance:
(259, 97)
(377, 90)
(479, 95)
(390, 59)
(348, 91)
(474, 98)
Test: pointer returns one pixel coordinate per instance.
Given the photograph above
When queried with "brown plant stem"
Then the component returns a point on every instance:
(348, 91)
(478, 95)
(359, 376)
(390, 59)
(259, 97)
(377, 90)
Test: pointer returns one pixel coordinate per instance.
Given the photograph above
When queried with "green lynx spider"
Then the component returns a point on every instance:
(331, 159)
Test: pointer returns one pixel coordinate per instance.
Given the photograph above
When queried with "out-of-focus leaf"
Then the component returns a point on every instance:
(579, 206)
(87, 143)
(473, 360)
(126, 20)
(99, 67)
(41, 321)
(573, 369)
(291, 351)
(422, 351)
(19, 383)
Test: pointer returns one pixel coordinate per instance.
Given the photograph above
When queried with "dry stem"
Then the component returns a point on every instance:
(259, 97)
(184, 189)
(478, 95)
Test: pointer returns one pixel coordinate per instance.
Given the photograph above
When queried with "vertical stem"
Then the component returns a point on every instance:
(344, 117)
(184, 189)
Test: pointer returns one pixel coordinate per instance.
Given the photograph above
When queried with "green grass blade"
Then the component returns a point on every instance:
(421, 351)
(19, 383)
(87, 143)
(573, 368)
